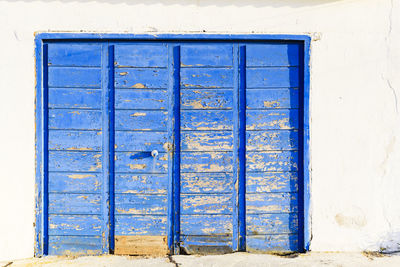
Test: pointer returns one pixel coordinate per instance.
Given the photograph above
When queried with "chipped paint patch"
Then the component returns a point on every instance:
(138, 114)
(137, 166)
(80, 176)
(138, 86)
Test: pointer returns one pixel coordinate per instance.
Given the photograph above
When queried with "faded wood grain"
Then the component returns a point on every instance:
(141, 245)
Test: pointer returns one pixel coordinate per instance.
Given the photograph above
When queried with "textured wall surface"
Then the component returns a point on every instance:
(355, 95)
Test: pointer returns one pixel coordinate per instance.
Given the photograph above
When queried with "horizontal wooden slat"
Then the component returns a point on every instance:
(272, 77)
(74, 161)
(272, 119)
(272, 223)
(206, 224)
(206, 162)
(206, 182)
(206, 240)
(144, 183)
(74, 54)
(272, 161)
(272, 98)
(141, 245)
(206, 120)
(206, 204)
(141, 99)
(272, 54)
(75, 182)
(140, 225)
(259, 182)
(140, 162)
(74, 98)
(74, 203)
(140, 141)
(74, 225)
(141, 55)
(272, 140)
(207, 141)
(141, 120)
(206, 78)
(74, 77)
(75, 140)
(139, 204)
(262, 243)
(260, 203)
(141, 78)
(193, 55)
(75, 245)
(206, 99)
(75, 119)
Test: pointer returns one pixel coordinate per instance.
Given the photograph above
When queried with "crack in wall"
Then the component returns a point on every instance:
(388, 48)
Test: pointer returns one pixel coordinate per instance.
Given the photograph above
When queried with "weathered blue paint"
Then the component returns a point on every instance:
(75, 55)
(199, 55)
(154, 224)
(274, 115)
(75, 203)
(74, 77)
(273, 55)
(74, 244)
(206, 78)
(150, 78)
(272, 98)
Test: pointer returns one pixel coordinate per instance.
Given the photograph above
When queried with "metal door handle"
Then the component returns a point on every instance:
(154, 153)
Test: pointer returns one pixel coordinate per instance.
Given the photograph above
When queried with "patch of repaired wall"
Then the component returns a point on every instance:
(355, 97)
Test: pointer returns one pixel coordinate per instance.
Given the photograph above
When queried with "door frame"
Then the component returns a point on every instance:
(41, 152)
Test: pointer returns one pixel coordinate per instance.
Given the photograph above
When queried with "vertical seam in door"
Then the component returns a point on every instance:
(242, 147)
(174, 140)
(236, 139)
(45, 185)
(105, 148)
(112, 147)
(105, 98)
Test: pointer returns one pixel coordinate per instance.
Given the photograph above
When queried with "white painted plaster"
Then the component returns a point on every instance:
(355, 101)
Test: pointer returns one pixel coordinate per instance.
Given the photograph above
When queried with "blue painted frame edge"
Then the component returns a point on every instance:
(168, 36)
(306, 146)
(41, 37)
(38, 148)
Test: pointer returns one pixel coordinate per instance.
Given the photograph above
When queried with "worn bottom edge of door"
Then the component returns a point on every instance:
(141, 245)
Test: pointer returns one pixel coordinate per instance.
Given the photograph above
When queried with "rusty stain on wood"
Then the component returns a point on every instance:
(141, 245)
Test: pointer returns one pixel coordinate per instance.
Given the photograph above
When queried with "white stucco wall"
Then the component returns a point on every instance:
(355, 96)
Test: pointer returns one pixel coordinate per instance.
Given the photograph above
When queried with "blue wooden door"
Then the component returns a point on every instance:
(77, 150)
(273, 141)
(207, 176)
(141, 148)
(180, 147)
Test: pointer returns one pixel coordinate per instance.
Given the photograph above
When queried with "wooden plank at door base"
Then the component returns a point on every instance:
(141, 245)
